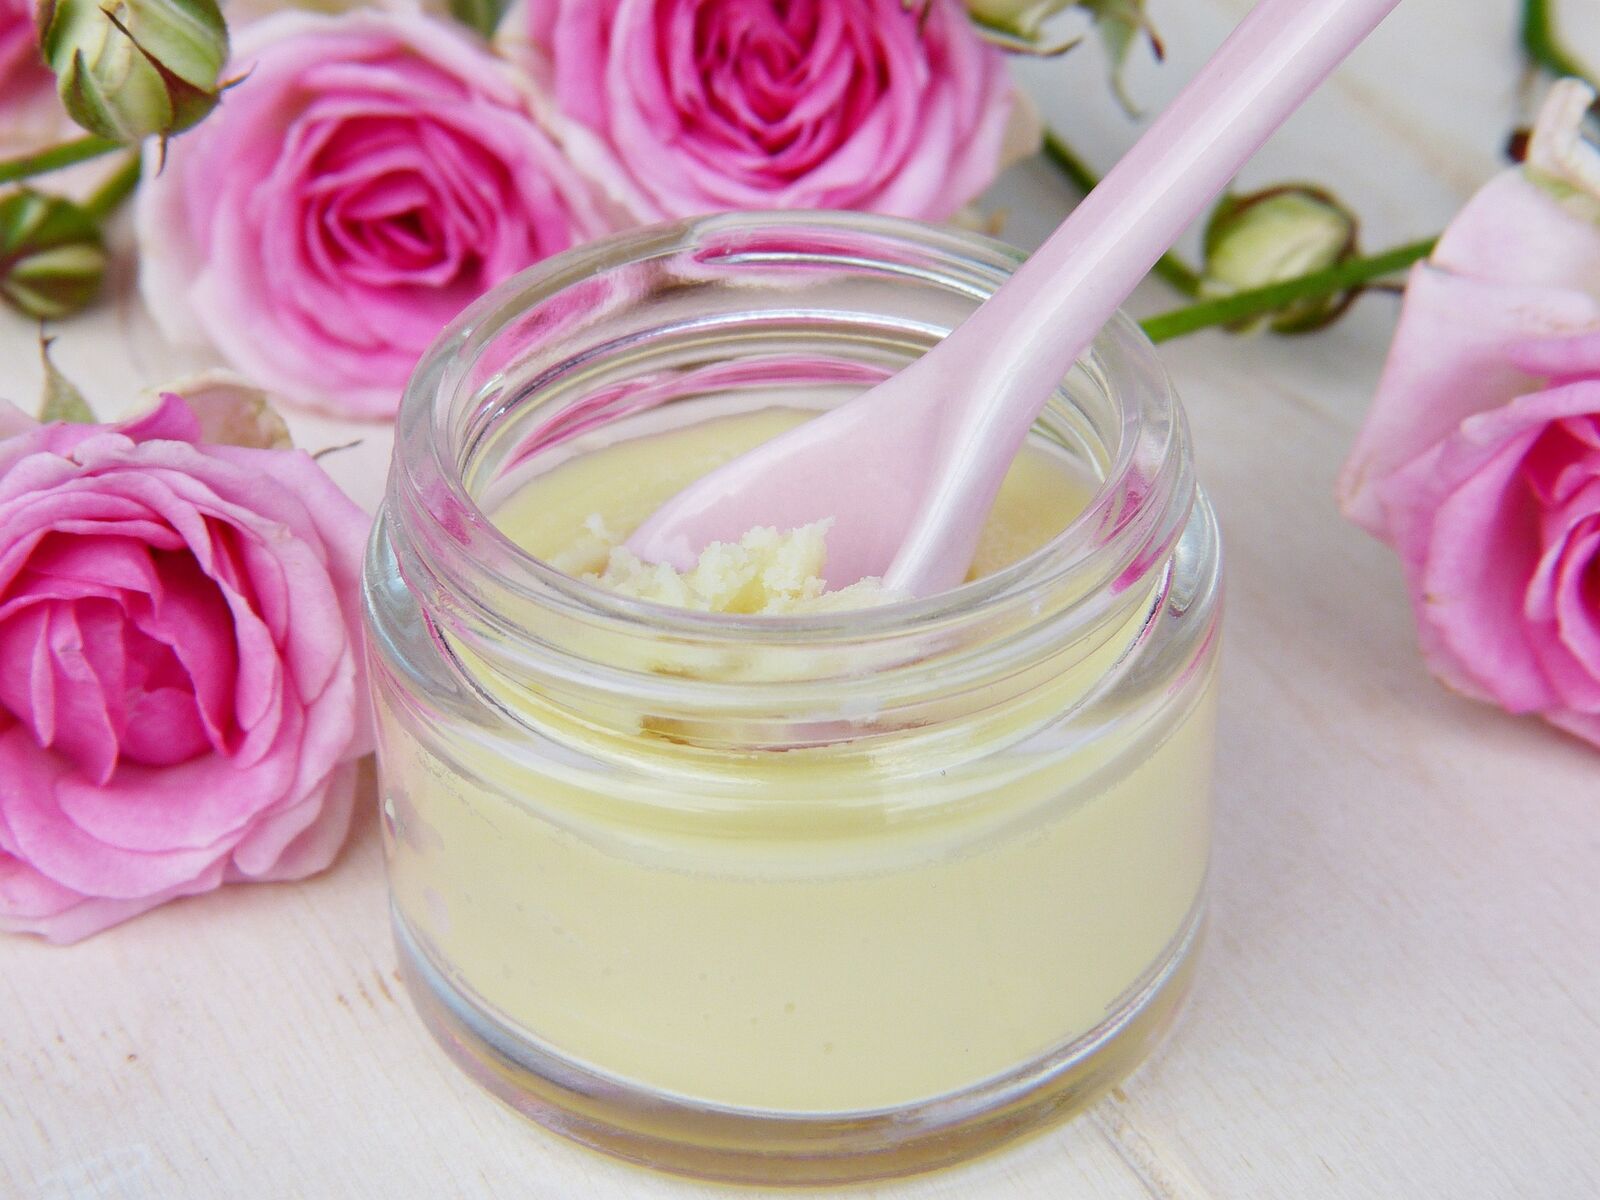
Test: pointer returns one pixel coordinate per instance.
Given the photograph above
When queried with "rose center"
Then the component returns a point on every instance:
(160, 722)
(397, 202)
(781, 83)
(100, 638)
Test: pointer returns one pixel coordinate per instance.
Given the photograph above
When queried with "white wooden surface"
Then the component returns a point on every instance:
(1401, 992)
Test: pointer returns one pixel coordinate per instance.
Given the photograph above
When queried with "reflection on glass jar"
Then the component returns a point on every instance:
(798, 898)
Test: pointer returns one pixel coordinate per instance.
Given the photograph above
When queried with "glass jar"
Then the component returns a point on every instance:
(803, 898)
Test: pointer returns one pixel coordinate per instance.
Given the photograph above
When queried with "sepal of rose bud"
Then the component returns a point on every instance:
(131, 69)
(1122, 24)
(1024, 18)
(1560, 158)
(61, 401)
(1275, 235)
(52, 260)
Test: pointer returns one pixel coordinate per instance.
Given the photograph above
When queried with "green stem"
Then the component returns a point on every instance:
(1263, 301)
(1542, 44)
(1169, 266)
(103, 201)
(65, 155)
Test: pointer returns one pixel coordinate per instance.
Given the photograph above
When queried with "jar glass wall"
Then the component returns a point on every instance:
(799, 898)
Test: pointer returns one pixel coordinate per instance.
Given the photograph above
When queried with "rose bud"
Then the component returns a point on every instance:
(1271, 236)
(51, 257)
(1017, 26)
(131, 69)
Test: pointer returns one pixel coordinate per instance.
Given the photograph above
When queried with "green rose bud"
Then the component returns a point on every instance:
(1275, 235)
(51, 257)
(131, 69)
(1018, 26)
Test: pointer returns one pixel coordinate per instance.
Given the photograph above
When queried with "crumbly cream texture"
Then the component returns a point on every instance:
(765, 572)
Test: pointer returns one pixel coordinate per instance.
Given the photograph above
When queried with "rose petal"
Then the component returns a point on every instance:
(1450, 360)
(1584, 725)
(1466, 529)
(172, 419)
(27, 685)
(199, 806)
(304, 839)
(52, 843)
(84, 728)
(1515, 234)
(32, 903)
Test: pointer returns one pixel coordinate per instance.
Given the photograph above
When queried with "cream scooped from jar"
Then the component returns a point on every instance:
(767, 571)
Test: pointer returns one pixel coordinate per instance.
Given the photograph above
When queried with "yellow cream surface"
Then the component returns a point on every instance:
(826, 929)
(574, 515)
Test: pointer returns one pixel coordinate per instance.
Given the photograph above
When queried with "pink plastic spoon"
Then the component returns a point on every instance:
(909, 469)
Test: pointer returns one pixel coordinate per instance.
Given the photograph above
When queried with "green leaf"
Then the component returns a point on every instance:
(62, 401)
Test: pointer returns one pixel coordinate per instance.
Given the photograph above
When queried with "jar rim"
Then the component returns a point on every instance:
(1148, 482)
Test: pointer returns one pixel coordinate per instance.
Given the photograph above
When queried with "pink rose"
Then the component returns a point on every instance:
(690, 106)
(373, 174)
(181, 701)
(30, 115)
(21, 64)
(1480, 460)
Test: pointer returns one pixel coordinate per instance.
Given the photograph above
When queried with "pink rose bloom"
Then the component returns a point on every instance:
(30, 115)
(1480, 460)
(21, 65)
(683, 107)
(181, 700)
(373, 174)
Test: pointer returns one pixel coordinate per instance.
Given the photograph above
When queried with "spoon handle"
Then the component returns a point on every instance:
(1020, 343)
(1056, 303)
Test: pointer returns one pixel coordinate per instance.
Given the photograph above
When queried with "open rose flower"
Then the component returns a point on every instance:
(683, 107)
(1480, 461)
(180, 693)
(371, 175)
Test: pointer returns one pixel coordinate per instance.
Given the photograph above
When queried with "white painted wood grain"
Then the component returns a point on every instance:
(1399, 994)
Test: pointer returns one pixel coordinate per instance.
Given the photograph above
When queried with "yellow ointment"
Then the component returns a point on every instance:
(554, 516)
(829, 929)
(767, 571)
